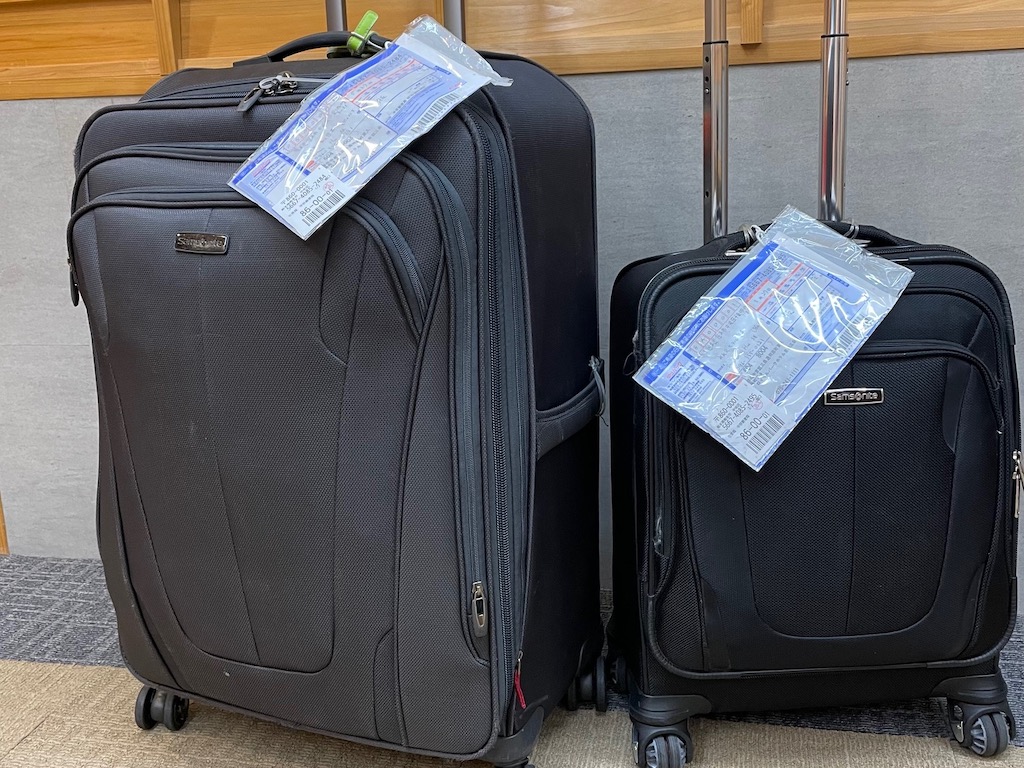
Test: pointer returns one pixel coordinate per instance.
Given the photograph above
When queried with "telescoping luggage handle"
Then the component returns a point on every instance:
(832, 156)
(454, 13)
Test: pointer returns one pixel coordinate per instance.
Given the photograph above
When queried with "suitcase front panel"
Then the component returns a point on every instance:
(863, 540)
(263, 398)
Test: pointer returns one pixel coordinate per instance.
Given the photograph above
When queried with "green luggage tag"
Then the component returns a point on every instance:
(358, 37)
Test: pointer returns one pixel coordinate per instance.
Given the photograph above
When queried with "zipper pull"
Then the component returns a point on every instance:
(597, 367)
(250, 99)
(517, 682)
(1018, 482)
(630, 364)
(74, 281)
(479, 609)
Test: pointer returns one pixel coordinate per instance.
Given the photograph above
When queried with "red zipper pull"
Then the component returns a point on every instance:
(517, 682)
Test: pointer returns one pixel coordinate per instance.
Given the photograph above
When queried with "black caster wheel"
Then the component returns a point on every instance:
(662, 747)
(143, 703)
(661, 752)
(175, 713)
(589, 688)
(153, 706)
(990, 735)
(984, 730)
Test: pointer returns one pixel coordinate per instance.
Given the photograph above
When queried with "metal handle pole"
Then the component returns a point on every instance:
(716, 119)
(832, 162)
(336, 16)
(454, 18)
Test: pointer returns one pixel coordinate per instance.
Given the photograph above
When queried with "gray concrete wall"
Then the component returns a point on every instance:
(936, 153)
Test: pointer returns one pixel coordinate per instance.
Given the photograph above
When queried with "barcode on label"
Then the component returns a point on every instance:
(440, 107)
(848, 339)
(311, 217)
(760, 439)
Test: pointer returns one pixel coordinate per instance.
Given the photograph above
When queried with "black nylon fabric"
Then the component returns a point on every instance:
(432, 654)
(901, 508)
(282, 402)
(208, 427)
(875, 536)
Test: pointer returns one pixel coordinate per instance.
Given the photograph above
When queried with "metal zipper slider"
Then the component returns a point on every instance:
(1018, 482)
(479, 609)
(281, 83)
(285, 79)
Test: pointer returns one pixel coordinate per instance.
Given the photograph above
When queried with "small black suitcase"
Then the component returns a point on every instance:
(349, 483)
(873, 557)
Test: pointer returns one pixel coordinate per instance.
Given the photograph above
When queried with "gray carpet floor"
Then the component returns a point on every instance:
(57, 611)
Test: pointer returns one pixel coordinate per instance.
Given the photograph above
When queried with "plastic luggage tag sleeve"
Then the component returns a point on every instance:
(351, 127)
(752, 356)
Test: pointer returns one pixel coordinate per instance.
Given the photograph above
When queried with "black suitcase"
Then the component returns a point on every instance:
(348, 484)
(873, 557)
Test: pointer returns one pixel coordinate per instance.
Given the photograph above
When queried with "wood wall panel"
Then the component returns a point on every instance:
(394, 14)
(218, 32)
(614, 35)
(120, 47)
(64, 47)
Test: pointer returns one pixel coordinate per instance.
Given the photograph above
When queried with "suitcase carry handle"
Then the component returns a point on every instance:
(335, 40)
(873, 236)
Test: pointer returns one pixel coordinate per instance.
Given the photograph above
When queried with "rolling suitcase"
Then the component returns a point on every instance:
(873, 557)
(349, 483)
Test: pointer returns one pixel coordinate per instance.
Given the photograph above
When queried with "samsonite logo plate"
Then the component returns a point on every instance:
(854, 396)
(201, 242)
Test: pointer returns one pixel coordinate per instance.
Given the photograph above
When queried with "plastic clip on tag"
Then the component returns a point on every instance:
(749, 360)
(351, 127)
(360, 35)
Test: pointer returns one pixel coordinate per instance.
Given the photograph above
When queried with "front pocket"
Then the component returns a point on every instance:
(161, 191)
(230, 374)
(865, 536)
(186, 165)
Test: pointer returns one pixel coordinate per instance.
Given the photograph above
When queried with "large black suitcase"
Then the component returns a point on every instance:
(873, 557)
(349, 483)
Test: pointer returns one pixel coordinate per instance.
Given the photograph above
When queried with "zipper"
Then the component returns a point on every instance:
(371, 217)
(896, 250)
(281, 84)
(455, 229)
(164, 197)
(929, 348)
(277, 85)
(216, 152)
(505, 372)
(1018, 483)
